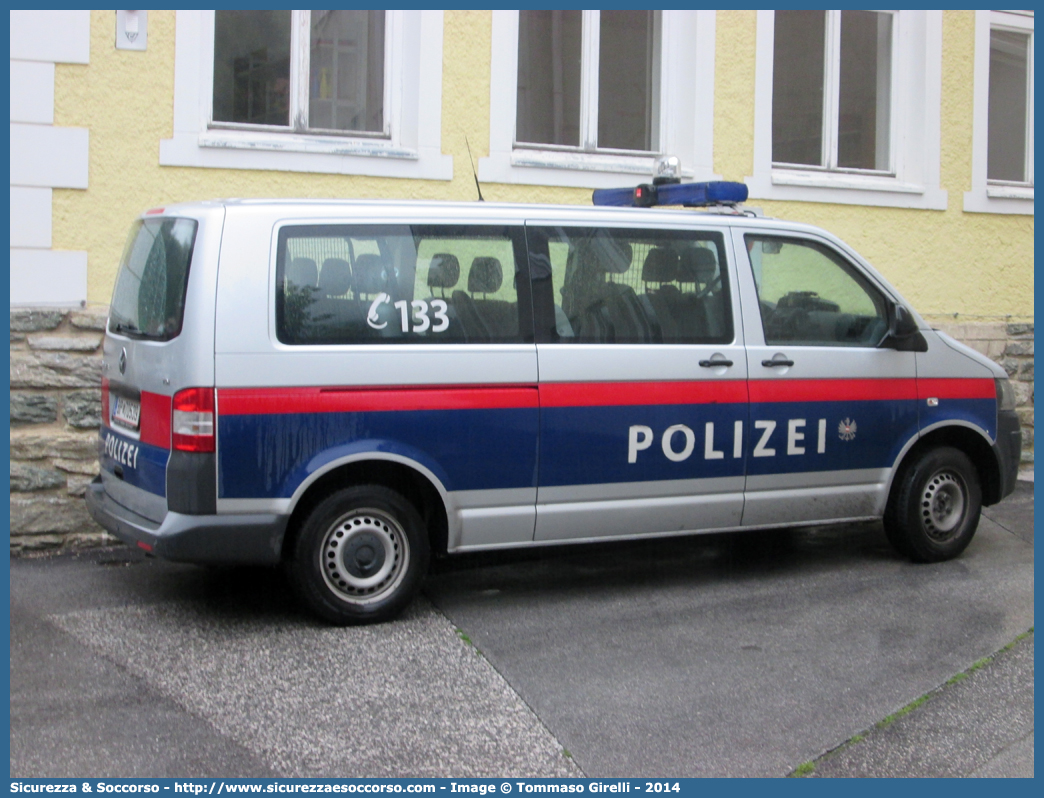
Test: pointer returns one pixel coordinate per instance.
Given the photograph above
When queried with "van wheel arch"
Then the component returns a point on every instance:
(966, 440)
(414, 486)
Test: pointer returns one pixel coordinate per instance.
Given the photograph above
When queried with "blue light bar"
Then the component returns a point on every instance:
(693, 195)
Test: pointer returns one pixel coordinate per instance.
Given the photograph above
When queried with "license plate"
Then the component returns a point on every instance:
(126, 412)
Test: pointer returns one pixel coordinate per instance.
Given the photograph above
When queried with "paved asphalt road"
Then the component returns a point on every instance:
(742, 655)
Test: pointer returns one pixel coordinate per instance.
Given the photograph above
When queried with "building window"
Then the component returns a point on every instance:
(847, 108)
(569, 95)
(832, 89)
(337, 92)
(1002, 127)
(1009, 154)
(339, 56)
(590, 98)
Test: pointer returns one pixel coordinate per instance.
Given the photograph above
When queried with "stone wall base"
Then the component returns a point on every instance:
(56, 412)
(1010, 345)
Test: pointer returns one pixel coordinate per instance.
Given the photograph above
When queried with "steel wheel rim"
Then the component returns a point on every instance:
(364, 555)
(943, 503)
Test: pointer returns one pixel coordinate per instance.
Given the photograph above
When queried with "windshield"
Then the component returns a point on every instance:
(149, 298)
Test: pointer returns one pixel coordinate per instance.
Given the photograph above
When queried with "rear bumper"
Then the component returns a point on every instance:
(1008, 449)
(218, 539)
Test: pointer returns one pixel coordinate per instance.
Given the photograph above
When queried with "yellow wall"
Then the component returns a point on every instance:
(979, 266)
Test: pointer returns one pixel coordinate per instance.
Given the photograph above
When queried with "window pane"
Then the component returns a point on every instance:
(797, 87)
(810, 295)
(346, 77)
(252, 67)
(632, 286)
(1006, 158)
(865, 101)
(628, 80)
(388, 284)
(548, 104)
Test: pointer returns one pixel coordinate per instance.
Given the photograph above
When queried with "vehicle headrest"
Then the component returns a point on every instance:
(697, 265)
(336, 277)
(443, 271)
(661, 266)
(614, 257)
(370, 275)
(302, 272)
(485, 276)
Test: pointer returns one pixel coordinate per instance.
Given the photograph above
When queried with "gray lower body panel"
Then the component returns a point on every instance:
(227, 539)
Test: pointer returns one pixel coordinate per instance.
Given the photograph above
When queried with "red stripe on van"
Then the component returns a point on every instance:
(784, 390)
(957, 389)
(608, 394)
(155, 419)
(265, 401)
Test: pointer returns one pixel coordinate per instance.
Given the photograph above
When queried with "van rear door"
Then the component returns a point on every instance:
(141, 354)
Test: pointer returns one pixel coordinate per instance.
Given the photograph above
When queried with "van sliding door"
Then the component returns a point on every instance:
(643, 381)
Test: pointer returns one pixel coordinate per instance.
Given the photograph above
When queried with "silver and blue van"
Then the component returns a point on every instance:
(346, 387)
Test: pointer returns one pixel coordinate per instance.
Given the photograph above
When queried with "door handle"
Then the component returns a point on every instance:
(773, 363)
(709, 364)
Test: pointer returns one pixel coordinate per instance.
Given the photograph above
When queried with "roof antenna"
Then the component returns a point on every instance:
(472, 161)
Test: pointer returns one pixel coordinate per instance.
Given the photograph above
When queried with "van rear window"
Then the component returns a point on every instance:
(149, 298)
(390, 284)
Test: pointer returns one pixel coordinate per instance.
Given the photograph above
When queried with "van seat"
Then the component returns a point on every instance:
(335, 279)
(662, 304)
(302, 273)
(486, 319)
(705, 304)
(443, 272)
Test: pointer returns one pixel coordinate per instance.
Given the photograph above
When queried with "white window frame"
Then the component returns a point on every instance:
(411, 146)
(685, 124)
(913, 180)
(832, 101)
(988, 196)
(300, 79)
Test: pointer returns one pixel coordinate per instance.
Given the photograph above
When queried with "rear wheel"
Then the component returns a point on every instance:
(935, 508)
(360, 556)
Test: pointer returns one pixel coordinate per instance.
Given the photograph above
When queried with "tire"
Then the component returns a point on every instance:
(935, 506)
(360, 556)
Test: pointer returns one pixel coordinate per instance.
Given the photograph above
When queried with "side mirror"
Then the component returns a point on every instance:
(903, 335)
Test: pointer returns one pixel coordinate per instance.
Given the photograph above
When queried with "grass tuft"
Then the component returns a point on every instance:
(803, 770)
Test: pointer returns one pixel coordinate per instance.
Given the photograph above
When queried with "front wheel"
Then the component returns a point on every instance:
(360, 556)
(934, 511)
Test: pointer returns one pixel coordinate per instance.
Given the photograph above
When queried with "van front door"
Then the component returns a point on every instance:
(643, 397)
(830, 410)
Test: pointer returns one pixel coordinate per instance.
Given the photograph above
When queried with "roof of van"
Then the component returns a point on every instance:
(310, 207)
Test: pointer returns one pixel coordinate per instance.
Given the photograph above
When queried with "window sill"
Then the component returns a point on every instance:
(289, 152)
(844, 188)
(538, 167)
(1010, 192)
(297, 142)
(1000, 199)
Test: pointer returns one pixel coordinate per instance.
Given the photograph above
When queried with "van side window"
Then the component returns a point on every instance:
(809, 294)
(387, 284)
(631, 286)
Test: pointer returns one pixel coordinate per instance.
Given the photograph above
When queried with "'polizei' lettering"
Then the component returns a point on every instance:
(678, 442)
(123, 452)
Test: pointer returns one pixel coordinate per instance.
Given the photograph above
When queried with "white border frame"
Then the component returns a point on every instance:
(984, 196)
(916, 115)
(413, 148)
(686, 113)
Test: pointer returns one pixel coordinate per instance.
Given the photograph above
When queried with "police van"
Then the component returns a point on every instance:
(347, 387)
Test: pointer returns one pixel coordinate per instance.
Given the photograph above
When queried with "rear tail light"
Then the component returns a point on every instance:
(192, 420)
